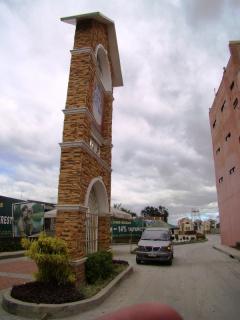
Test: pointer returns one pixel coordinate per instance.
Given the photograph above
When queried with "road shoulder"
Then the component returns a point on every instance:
(231, 252)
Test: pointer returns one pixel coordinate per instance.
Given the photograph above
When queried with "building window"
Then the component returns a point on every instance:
(223, 106)
(94, 146)
(235, 103)
(220, 180)
(228, 136)
(218, 150)
(214, 124)
(232, 85)
(231, 171)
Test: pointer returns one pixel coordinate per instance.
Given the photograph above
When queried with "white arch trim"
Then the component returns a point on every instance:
(105, 72)
(101, 194)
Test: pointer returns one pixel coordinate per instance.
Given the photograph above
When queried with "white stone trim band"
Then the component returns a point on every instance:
(78, 262)
(82, 50)
(79, 110)
(71, 207)
(83, 145)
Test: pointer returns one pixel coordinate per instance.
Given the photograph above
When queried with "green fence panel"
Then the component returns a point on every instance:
(127, 229)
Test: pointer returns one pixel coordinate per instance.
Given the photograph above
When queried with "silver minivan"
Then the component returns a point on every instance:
(155, 245)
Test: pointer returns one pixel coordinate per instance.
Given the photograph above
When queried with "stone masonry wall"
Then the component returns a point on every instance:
(106, 150)
(79, 271)
(78, 167)
(77, 171)
(89, 34)
(104, 238)
(79, 80)
(70, 226)
(76, 127)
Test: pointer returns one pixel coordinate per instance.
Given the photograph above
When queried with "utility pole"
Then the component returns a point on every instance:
(195, 214)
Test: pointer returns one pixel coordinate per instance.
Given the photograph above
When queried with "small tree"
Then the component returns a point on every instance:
(155, 212)
(51, 257)
(164, 213)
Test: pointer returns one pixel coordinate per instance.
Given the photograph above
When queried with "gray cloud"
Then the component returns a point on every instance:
(204, 11)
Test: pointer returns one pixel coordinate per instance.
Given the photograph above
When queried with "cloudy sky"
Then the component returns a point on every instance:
(172, 56)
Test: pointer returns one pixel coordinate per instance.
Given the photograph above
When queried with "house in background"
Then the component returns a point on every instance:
(185, 225)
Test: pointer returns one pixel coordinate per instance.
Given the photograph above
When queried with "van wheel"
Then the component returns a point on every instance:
(138, 261)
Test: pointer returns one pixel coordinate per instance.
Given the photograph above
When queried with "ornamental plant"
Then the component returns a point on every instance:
(51, 257)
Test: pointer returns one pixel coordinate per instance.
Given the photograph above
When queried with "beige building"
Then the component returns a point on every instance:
(185, 224)
(206, 226)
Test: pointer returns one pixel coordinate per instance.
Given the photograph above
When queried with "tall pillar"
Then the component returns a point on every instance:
(84, 193)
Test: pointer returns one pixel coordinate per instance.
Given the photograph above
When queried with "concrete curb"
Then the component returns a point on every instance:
(228, 251)
(14, 254)
(51, 311)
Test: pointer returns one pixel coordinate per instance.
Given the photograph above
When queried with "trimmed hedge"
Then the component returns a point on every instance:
(9, 244)
(99, 265)
(126, 240)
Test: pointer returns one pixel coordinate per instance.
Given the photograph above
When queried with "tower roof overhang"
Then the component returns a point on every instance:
(112, 38)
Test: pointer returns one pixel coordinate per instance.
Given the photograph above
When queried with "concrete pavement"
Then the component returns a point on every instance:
(8, 255)
(201, 284)
(231, 252)
(15, 271)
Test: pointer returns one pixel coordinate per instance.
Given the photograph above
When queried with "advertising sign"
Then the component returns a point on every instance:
(5, 225)
(6, 217)
(28, 219)
(123, 228)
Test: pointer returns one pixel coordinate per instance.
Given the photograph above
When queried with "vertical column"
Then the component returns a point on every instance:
(104, 238)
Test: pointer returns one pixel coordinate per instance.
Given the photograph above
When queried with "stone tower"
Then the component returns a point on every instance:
(84, 193)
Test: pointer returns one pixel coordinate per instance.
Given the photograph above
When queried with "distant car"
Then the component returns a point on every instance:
(155, 245)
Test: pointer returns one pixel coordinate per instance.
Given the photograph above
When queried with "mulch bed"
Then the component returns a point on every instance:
(39, 292)
(119, 262)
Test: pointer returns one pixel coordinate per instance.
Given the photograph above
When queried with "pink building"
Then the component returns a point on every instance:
(225, 128)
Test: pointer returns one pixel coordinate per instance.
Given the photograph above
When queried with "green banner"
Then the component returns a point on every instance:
(121, 228)
(6, 218)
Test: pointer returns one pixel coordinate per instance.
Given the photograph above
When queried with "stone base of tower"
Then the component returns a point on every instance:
(71, 227)
(78, 268)
(104, 238)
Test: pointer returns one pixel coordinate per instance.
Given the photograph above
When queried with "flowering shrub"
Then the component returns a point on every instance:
(51, 257)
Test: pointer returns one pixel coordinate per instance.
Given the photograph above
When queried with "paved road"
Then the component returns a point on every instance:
(201, 284)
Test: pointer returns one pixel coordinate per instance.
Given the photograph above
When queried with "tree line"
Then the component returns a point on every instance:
(147, 212)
